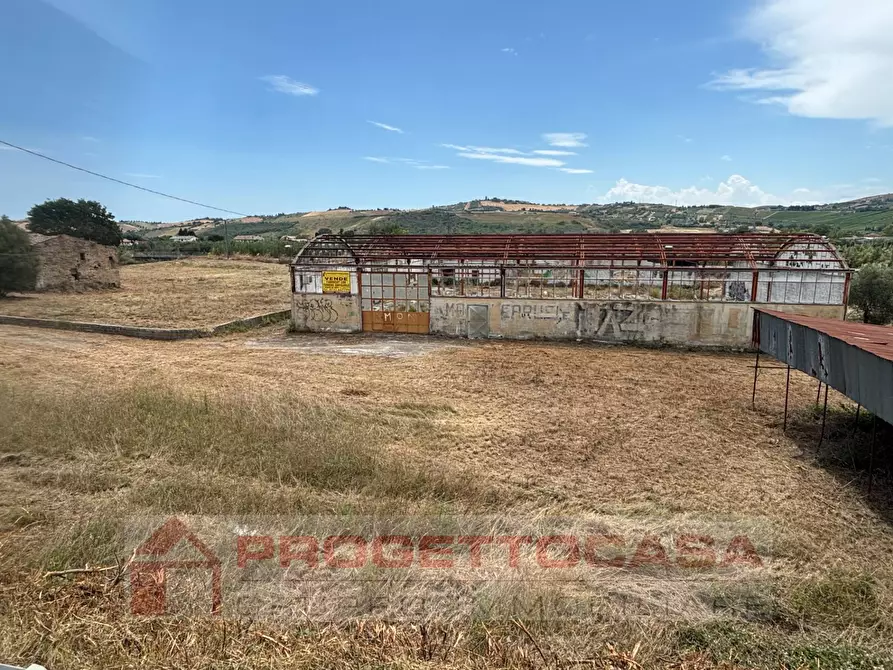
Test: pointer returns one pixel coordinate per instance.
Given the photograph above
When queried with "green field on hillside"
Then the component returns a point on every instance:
(845, 222)
(267, 228)
(745, 213)
(440, 222)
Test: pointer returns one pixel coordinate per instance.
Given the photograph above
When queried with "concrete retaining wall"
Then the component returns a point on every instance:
(329, 313)
(147, 333)
(720, 324)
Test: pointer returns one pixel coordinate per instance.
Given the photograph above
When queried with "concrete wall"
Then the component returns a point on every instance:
(678, 323)
(326, 313)
(72, 264)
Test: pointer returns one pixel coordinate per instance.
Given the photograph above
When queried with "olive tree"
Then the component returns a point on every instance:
(872, 292)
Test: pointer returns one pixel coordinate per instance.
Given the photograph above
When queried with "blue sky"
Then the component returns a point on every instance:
(287, 105)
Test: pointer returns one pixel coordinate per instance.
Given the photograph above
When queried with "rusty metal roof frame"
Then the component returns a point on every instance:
(756, 250)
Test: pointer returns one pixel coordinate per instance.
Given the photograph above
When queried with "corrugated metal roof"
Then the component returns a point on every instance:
(853, 358)
(875, 339)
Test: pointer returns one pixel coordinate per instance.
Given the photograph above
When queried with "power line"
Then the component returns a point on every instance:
(119, 181)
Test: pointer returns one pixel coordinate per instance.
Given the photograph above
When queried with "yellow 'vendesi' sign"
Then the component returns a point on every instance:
(336, 282)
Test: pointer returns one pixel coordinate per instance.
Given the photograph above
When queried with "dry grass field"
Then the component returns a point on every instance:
(173, 294)
(98, 431)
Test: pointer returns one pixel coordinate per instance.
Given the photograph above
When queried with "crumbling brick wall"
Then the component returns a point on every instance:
(72, 264)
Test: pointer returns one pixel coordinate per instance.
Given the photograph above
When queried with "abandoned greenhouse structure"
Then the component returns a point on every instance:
(662, 288)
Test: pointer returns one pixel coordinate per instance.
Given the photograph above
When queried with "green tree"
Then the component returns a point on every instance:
(872, 292)
(18, 262)
(85, 218)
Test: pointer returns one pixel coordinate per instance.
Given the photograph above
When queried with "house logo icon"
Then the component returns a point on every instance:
(148, 572)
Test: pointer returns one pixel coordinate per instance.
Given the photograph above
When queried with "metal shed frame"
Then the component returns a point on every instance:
(570, 262)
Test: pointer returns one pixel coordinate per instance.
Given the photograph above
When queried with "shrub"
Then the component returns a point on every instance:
(18, 262)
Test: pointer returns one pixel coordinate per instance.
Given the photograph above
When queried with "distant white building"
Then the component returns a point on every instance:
(248, 238)
(183, 238)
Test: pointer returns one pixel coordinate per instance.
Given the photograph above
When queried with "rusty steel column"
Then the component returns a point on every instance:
(787, 393)
(824, 419)
(756, 369)
(871, 457)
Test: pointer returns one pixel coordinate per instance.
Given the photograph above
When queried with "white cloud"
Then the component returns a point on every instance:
(393, 129)
(685, 139)
(488, 150)
(565, 139)
(517, 160)
(554, 152)
(89, 138)
(141, 175)
(510, 50)
(410, 162)
(833, 58)
(736, 190)
(284, 84)
(726, 158)
(535, 158)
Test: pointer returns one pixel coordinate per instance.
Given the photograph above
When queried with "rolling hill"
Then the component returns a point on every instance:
(872, 215)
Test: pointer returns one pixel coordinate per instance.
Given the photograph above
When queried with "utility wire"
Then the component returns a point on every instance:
(118, 181)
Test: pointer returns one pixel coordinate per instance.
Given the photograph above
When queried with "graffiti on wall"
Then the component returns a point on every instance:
(738, 291)
(450, 310)
(554, 312)
(609, 320)
(621, 320)
(319, 310)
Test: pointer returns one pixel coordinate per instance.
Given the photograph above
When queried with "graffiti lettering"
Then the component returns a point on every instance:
(554, 312)
(619, 320)
(455, 310)
(320, 310)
